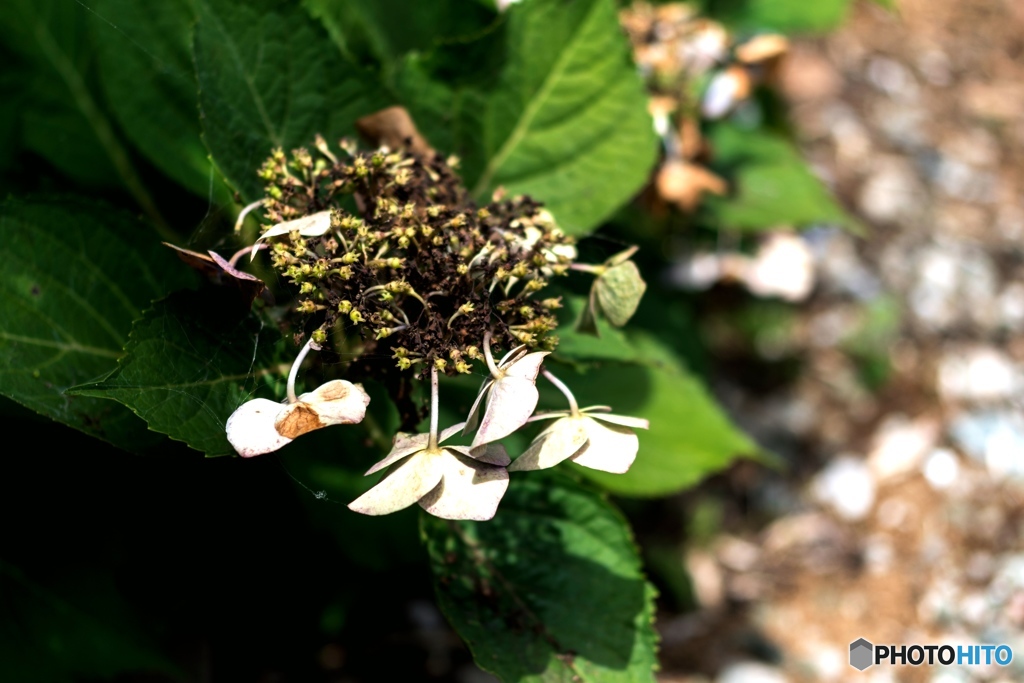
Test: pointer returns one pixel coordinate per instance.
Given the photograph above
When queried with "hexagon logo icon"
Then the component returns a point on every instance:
(861, 652)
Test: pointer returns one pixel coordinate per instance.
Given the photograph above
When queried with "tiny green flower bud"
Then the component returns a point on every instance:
(355, 316)
(404, 363)
(319, 336)
(306, 288)
(344, 306)
(440, 363)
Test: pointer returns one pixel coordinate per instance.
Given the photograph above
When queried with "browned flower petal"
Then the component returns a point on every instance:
(251, 431)
(338, 402)
(221, 273)
(394, 128)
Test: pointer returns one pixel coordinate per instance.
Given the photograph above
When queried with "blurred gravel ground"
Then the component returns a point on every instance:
(898, 517)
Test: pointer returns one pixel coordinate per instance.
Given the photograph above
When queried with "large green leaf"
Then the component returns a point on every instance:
(269, 76)
(786, 16)
(145, 68)
(45, 636)
(378, 32)
(551, 589)
(76, 273)
(772, 184)
(690, 437)
(612, 343)
(190, 361)
(555, 109)
(61, 118)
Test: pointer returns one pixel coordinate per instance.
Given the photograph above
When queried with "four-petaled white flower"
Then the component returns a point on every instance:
(452, 482)
(589, 437)
(261, 425)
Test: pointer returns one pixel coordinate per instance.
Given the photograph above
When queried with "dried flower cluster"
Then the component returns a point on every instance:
(386, 245)
(412, 264)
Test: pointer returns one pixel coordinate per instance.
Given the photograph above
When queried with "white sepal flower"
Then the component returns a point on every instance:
(511, 394)
(451, 482)
(588, 437)
(260, 426)
(313, 225)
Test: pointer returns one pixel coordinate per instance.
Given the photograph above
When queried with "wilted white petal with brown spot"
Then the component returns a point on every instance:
(336, 402)
(251, 431)
(261, 426)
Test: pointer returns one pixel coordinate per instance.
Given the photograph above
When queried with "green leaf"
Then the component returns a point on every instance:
(269, 76)
(145, 68)
(61, 118)
(76, 273)
(562, 116)
(551, 589)
(772, 184)
(610, 344)
(45, 636)
(690, 437)
(58, 113)
(190, 361)
(381, 31)
(785, 16)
